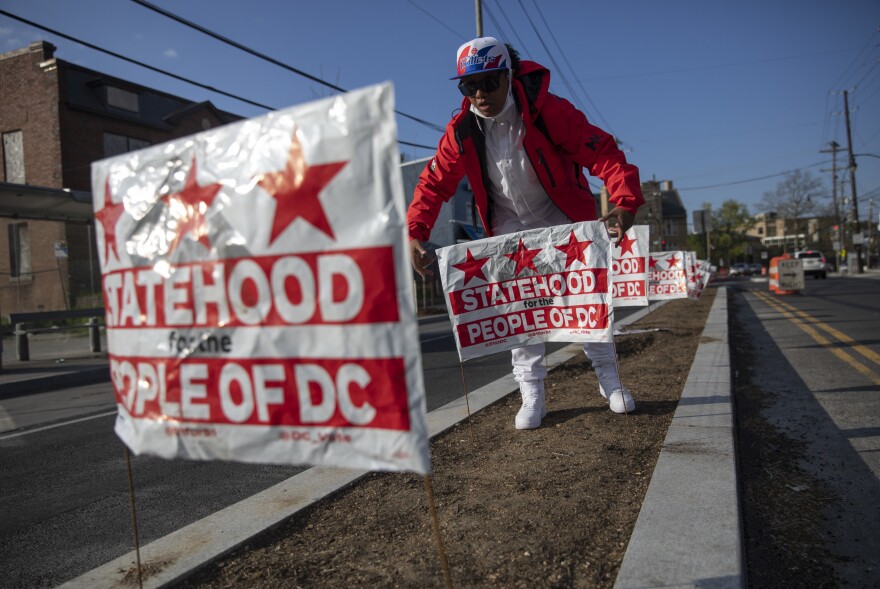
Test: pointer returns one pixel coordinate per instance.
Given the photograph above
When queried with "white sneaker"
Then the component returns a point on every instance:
(621, 400)
(533, 409)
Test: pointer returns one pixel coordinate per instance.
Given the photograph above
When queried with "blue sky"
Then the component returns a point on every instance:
(703, 93)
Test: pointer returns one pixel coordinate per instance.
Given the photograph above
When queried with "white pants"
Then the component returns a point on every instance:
(528, 364)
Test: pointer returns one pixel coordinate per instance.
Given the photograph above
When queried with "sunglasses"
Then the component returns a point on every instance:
(489, 84)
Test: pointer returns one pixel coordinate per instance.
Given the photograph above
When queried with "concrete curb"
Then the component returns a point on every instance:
(688, 532)
(54, 382)
(180, 554)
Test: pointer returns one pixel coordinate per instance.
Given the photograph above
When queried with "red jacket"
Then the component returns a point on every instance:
(559, 165)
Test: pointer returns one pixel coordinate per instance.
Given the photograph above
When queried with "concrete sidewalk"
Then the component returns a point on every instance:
(687, 534)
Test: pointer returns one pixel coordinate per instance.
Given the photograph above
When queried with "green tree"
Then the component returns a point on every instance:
(729, 226)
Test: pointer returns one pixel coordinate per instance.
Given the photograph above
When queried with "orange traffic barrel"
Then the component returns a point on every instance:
(774, 275)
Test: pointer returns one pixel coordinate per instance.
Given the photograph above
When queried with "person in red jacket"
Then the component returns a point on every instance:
(523, 151)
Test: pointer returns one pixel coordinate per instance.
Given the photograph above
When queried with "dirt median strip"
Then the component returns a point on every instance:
(552, 507)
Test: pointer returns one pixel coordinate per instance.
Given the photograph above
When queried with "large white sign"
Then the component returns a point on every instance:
(791, 274)
(629, 268)
(258, 292)
(534, 286)
(667, 276)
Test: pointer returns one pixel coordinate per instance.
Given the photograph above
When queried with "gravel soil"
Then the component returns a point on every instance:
(550, 507)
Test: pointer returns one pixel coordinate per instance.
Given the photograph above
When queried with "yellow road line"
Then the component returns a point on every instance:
(863, 350)
(819, 338)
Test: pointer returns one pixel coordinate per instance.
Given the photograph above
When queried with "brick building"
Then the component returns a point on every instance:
(56, 118)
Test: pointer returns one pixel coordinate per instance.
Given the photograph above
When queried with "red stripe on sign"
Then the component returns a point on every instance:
(340, 287)
(531, 320)
(366, 393)
(627, 266)
(628, 288)
(589, 281)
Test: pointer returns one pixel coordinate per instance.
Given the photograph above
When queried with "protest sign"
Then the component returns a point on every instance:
(694, 280)
(258, 293)
(629, 268)
(534, 286)
(667, 278)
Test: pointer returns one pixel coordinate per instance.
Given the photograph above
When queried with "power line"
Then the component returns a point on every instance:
(130, 60)
(549, 53)
(265, 57)
(159, 70)
(437, 20)
(843, 75)
(714, 67)
(521, 43)
(564, 57)
(751, 179)
(495, 22)
(559, 71)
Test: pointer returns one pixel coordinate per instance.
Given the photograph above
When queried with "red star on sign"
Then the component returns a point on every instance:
(573, 250)
(524, 258)
(652, 262)
(107, 217)
(472, 268)
(673, 262)
(626, 244)
(189, 206)
(296, 189)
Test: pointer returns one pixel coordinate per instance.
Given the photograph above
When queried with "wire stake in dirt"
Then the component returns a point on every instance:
(134, 523)
(441, 550)
(620, 386)
(467, 402)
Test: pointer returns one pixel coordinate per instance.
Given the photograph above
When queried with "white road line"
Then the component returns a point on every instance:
(54, 425)
(433, 339)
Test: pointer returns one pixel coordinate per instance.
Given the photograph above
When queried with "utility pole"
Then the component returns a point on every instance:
(852, 181)
(479, 18)
(835, 146)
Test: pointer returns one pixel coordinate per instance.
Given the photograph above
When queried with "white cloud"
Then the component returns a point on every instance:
(5, 31)
(13, 42)
(170, 54)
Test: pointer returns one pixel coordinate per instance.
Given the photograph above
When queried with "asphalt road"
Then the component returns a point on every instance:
(65, 497)
(816, 360)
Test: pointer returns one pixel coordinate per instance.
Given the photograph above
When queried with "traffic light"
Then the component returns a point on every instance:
(835, 233)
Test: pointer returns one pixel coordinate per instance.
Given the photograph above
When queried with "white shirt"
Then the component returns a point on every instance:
(519, 201)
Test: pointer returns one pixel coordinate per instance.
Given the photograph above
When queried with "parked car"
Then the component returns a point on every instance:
(755, 269)
(739, 270)
(814, 262)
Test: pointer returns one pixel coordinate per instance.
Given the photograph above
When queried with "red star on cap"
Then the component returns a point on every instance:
(189, 206)
(472, 267)
(652, 262)
(626, 244)
(673, 262)
(296, 189)
(524, 258)
(107, 217)
(573, 250)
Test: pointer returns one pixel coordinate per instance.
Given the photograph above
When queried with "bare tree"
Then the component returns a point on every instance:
(798, 195)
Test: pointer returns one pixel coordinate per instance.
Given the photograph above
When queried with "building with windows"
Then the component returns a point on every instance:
(56, 118)
(777, 236)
